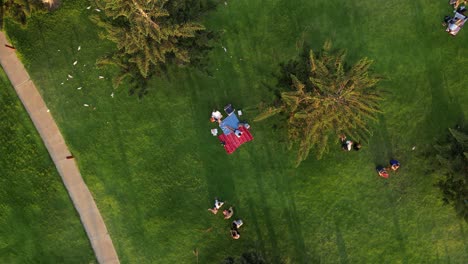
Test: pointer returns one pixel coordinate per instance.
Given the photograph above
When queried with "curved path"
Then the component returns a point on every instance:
(58, 150)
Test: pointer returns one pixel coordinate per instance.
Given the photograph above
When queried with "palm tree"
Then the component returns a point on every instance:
(329, 99)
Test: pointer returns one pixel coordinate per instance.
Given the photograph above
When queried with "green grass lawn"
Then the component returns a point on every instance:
(38, 223)
(154, 168)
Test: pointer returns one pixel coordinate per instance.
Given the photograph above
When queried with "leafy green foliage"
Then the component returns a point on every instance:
(149, 35)
(452, 158)
(326, 98)
(20, 10)
(155, 168)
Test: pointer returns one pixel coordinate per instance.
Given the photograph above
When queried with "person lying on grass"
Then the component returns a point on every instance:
(216, 206)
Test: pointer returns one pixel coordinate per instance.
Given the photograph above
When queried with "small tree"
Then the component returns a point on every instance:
(326, 99)
(453, 160)
(148, 35)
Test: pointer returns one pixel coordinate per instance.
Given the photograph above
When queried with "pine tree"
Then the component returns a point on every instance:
(325, 100)
(147, 36)
(20, 10)
(452, 158)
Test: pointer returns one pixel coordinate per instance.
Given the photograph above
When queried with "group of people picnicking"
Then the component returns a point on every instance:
(228, 213)
(348, 145)
(216, 117)
(455, 23)
(383, 171)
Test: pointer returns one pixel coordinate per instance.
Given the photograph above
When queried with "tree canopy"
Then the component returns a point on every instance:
(326, 98)
(20, 10)
(149, 34)
(452, 158)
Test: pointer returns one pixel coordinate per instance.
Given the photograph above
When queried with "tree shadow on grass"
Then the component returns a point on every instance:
(267, 218)
(380, 144)
(341, 244)
(293, 230)
(397, 228)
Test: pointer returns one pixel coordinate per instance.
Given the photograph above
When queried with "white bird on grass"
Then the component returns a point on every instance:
(101, 77)
(86, 105)
(112, 95)
(79, 88)
(89, 7)
(75, 63)
(79, 48)
(69, 76)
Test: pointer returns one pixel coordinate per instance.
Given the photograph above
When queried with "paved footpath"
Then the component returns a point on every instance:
(58, 150)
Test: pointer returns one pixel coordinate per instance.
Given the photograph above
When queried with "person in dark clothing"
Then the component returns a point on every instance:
(394, 164)
(357, 146)
(382, 171)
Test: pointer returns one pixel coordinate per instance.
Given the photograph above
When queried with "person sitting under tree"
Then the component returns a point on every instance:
(347, 145)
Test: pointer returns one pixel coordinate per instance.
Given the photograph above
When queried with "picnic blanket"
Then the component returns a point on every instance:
(232, 142)
(456, 23)
(230, 121)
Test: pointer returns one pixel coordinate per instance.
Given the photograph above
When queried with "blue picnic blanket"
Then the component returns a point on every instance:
(230, 121)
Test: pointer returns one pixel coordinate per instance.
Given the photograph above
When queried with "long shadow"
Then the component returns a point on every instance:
(272, 237)
(282, 186)
(254, 219)
(396, 222)
(340, 242)
(380, 143)
(445, 111)
(464, 239)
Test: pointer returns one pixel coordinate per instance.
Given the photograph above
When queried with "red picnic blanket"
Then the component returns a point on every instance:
(232, 142)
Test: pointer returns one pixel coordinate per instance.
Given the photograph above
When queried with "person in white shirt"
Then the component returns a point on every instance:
(216, 206)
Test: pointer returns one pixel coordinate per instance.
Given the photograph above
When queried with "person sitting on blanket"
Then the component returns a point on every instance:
(237, 132)
(216, 206)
